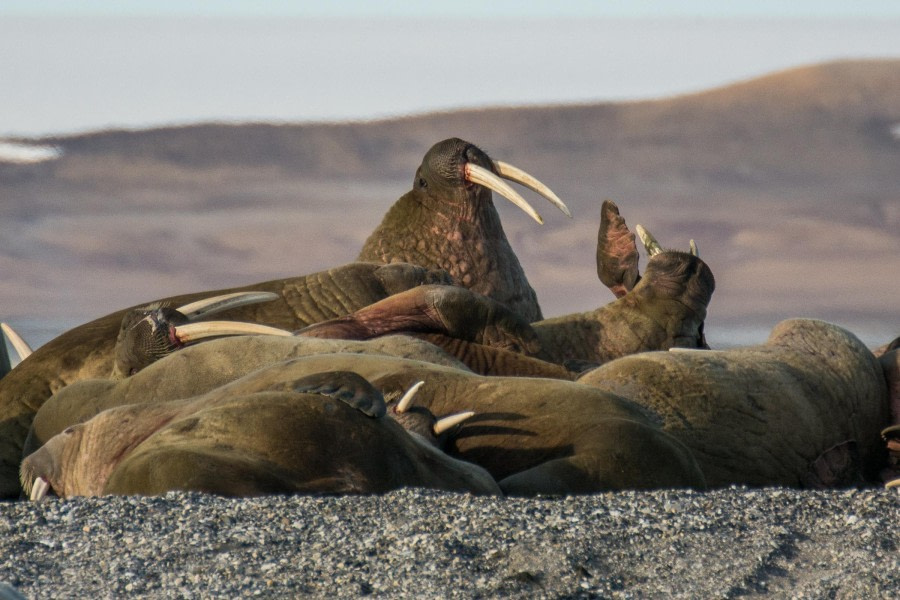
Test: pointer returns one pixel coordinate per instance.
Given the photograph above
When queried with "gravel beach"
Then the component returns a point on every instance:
(670, 543)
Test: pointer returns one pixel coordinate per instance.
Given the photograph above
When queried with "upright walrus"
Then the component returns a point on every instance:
(448, 221)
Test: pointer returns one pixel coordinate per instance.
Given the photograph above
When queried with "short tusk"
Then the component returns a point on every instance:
(39, 489)
(482, 176)
(217, 304)
(193, 332)
(894, 483)
(19, 345)
(694, 250)
(405, 402)
(650, 243)
(442, 425)
(893, 429)
(507, 171)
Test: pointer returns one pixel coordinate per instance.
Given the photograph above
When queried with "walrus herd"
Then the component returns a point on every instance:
(428, 363)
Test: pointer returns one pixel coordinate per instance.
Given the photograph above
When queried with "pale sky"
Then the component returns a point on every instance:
(70, 66)
(463, 8)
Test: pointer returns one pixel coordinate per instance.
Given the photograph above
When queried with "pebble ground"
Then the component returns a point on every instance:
(412, 543)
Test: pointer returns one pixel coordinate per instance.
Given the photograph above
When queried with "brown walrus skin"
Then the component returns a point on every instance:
(804, 409)
(234, 444)
(664, 308)
(194, 371)
(88, 351)
(446, 222)
(536, 435)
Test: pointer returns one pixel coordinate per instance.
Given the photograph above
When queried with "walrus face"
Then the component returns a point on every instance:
(45, 470)
(442, 175)
(79, 461)
(456, 179)
(147, 336)
(421, 422)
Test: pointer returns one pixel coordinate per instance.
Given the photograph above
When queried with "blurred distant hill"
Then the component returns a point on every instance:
(790, 183)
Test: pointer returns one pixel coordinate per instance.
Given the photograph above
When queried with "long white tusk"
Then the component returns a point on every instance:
(694, 250)
(650, 243)
(39, 489)
(217, 304)
(405, 402)
(442, 425)
(193, 332)
(19, 345)
(482, 176)
(508, 171)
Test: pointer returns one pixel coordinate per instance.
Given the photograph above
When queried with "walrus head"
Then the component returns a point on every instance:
(448, 221)
(153, 332)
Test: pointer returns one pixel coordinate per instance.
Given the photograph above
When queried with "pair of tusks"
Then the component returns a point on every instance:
(488, 179)
(653, 247)
(441, 425)
(193, 332)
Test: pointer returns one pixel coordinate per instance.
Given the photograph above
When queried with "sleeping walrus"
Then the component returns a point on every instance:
(327, 433)
(536, 435)
(803, 409)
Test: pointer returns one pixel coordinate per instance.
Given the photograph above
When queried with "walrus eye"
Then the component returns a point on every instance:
(422, 183)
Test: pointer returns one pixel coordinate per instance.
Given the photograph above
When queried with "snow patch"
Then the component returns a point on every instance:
(15, 152)
(895, 131)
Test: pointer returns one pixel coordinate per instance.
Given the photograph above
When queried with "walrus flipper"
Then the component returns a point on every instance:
(617, 254)
(346, 386)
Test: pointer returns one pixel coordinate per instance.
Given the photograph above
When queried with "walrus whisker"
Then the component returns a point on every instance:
(223, 302)
(442, 425)
(406, 401)
(482, 176)
(508, 171)
(193, 332)
(19, 345)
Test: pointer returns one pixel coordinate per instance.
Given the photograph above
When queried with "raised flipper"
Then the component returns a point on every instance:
(617, 254)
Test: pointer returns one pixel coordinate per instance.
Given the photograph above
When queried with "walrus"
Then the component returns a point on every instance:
(224, 360)
(322, 434)
(88, 351)
(662, 308)
(802, 410)
(533, 435)
(448, 221)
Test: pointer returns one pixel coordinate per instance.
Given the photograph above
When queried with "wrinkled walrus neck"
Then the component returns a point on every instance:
(99, 456)
(678, 276)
